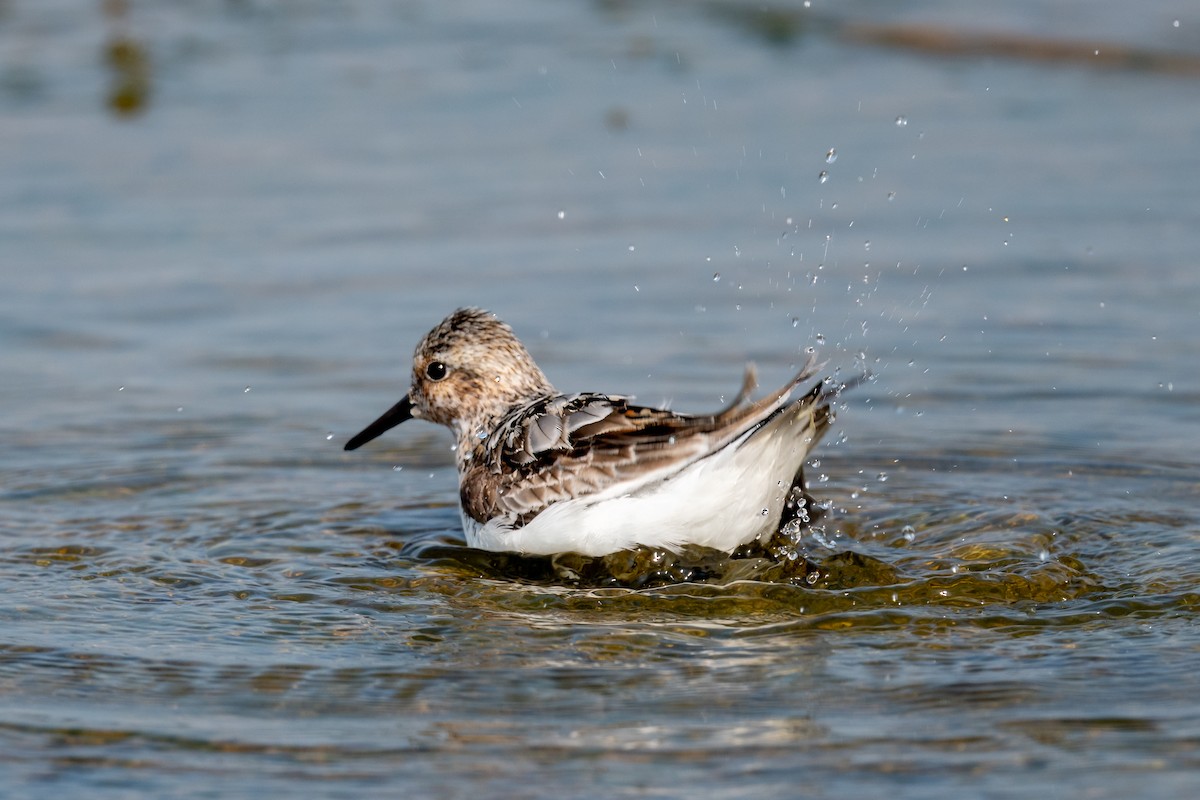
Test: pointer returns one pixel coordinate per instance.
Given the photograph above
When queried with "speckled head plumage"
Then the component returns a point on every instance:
(470, 370)
(467, 372)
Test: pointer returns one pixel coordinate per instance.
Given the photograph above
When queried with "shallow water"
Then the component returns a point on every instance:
(222, 240)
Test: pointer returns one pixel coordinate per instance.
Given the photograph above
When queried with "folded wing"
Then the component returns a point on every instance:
(568, 446)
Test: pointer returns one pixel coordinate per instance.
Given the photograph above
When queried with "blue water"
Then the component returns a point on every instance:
(221, 240)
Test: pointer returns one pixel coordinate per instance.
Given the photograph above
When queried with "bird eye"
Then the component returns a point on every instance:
(435, 371)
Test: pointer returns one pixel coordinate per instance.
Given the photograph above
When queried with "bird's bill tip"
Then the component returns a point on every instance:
(388, 420)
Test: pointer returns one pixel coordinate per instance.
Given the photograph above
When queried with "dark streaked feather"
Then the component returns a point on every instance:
(564, 446)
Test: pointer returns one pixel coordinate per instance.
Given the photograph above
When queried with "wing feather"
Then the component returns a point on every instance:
(566, 446)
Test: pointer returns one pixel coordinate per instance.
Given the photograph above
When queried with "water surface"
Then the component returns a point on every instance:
(226, 226)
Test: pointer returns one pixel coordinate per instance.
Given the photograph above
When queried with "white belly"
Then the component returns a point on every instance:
(722, 501)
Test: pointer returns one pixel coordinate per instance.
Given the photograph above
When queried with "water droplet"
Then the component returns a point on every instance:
(766, 511)
(823, 177)
(795, 322)
(820, 338)
(881, 477)
(820, 537)
(716, 277)
(831, 156)
(632, 248)
(246, 390)
(481, 434)
(891, 196)
(562, 214)
(120, 388)
(329, 437)
(398, 468)
(901, 121)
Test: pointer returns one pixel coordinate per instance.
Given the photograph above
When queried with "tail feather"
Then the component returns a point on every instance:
(733, 416)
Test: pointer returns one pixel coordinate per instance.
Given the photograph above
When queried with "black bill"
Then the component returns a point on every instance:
(390, 419)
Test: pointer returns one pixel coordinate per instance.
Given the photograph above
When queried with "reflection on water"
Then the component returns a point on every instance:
(130, 76)
(127, 57)
(128, 63)
(204, 596)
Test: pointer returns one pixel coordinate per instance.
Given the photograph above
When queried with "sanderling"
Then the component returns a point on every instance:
(544, 473)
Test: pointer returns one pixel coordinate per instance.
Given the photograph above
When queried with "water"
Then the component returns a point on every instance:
(224, 228)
